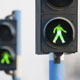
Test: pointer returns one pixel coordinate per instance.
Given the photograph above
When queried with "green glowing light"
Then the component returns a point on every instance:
(59, 30)
(6, 58)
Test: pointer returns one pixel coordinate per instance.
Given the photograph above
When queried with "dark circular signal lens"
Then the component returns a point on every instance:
(59, 32)
(58, 4)
(5, 33)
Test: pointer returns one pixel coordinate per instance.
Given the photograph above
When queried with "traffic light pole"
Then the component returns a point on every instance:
(17, 73)
(56, 70)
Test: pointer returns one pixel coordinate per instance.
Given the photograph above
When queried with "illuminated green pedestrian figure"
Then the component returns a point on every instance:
(59, 30)
(6, 58)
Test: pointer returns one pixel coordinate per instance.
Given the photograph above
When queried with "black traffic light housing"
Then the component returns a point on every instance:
(49, 10)
(8, 44)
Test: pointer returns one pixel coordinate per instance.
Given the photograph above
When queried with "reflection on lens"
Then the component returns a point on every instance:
(58, 3)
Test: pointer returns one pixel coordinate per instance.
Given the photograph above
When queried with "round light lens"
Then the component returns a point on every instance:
(58, 4)
(5, 33)
(59, 32)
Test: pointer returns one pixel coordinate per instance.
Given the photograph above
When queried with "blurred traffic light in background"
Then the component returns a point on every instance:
(56, 26)
(8, 43)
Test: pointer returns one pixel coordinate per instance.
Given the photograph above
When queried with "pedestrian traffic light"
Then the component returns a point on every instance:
(8, 43)
(59, 32)
(56, 26)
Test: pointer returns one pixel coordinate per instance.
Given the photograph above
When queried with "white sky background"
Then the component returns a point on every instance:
(72, 62)
(34, 67)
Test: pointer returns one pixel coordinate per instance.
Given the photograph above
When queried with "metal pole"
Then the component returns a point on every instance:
(56, 71)
(17, 73)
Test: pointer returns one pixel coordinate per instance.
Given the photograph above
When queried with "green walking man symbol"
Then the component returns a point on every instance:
(5, 58)
(59, 30)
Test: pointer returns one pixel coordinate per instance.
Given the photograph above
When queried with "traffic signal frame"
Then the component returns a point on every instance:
(8, 44)
(44, 14)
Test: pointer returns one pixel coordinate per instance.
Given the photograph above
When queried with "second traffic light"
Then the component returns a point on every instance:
(8, 43)
(56, 26)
